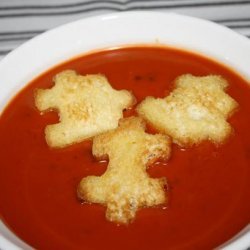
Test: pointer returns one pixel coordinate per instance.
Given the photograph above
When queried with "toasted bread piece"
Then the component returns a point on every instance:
(196, 110)
(125, 186)
(87, 106)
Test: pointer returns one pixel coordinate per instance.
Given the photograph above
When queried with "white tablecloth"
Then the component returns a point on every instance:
(20, 20)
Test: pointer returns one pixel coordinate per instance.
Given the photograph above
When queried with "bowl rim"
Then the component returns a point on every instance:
(17, 56)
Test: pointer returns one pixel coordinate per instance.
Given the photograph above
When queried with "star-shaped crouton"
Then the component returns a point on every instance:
(125, 186)
(196, 110)
(87, 106)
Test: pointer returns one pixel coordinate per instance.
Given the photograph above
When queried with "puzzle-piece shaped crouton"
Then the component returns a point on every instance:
(87, 106)
(126, 186)
(196, 110)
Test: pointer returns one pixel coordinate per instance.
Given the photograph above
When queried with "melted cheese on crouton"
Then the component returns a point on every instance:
(126, 186)
(196, 110)
(87, 106)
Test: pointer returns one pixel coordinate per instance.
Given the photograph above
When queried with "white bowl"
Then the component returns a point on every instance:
(57, 45)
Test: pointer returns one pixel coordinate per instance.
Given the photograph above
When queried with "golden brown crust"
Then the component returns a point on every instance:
(87, 106)
(125, 186)
(196, 110)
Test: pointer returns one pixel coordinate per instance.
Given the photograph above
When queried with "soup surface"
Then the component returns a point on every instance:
(208, 185)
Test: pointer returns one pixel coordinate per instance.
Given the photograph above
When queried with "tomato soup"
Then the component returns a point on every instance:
(209, 194)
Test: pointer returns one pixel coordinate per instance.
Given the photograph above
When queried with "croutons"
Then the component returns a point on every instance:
(125, 186)
(87, 106)
(196, 110)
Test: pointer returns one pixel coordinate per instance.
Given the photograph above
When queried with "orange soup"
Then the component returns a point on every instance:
(208, 185)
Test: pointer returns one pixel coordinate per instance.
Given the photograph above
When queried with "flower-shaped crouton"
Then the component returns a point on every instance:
(196, 110)
(87, 106)
(125, 186)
